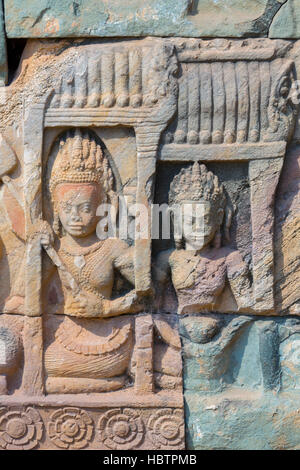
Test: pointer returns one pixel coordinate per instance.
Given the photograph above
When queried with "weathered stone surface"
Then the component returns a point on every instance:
(94, 325)
(241, 382)
(242, 421)
(286, 23)
(81, 297)
(287, 247)
(3, 54)
(192, 18)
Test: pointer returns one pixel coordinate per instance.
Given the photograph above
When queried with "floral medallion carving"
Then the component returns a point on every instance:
(121, 429)
(166, 429)
(70, 428)
(20, 430)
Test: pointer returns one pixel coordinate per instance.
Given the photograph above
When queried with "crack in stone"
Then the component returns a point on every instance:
(38, 19)
(284, 2)
(76, 8)
(261, 26)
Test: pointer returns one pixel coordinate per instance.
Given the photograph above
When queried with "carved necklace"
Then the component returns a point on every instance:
(82, 251)
(79, 255)
(78, 262)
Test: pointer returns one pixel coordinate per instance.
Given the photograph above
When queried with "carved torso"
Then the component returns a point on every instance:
(92, 268)
(199, 279)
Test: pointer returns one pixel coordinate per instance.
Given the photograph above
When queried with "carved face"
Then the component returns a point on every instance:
(201, 221)
(77, 205)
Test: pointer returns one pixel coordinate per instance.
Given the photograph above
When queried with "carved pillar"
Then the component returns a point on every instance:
(32, 383)
(263, 177)
(144, 354)
(147, 139)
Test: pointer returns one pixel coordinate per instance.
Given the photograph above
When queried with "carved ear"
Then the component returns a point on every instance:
(178, 243)
(228, 218)
(220, 216)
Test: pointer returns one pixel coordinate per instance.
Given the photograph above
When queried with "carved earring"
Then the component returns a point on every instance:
(178, 243)
(217, 239)
(56, 224)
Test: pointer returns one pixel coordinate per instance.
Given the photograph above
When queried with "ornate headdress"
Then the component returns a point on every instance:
(80, 159)
(196, 183)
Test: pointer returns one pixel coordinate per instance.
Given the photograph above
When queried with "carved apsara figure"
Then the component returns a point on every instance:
(200, 266)
(80, 180)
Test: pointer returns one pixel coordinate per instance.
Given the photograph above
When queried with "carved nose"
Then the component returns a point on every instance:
(74, 215)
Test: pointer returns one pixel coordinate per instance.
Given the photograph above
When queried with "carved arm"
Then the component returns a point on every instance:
(237, 273)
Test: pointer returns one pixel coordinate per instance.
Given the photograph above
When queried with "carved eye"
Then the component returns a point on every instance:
(85, 208)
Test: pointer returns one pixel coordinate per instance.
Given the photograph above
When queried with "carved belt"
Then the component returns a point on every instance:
(68, 335)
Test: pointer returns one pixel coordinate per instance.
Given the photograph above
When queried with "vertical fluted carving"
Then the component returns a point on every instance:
(67, 99)
(206, 103)
(81, 81)
(193, 104)
(107, 80)
(231, 103)
(94, 82)
(265, 86)
(219, 102)
(182, 126)
(243, 104)
(121, 78)
(254, 91)
(135, 78)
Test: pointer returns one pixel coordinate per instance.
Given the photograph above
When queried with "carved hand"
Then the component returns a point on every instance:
(129, 303)
(43, 232)
(76, 305)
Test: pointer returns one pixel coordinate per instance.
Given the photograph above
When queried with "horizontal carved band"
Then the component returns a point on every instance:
(69, 427)
(224, 152)
(103, 116)
(219, 55)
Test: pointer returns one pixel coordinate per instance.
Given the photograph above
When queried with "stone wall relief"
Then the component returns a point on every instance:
(245, 365)
(235, 107)
(247, 117)
(200, 265)
(80, 180)
(86, 326)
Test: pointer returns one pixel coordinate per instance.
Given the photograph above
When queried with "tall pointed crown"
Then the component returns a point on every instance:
(80, 159)
(196, 183)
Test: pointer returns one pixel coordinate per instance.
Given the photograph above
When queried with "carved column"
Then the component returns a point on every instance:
(263, 177)
(147, 140)
(32, 383)
(144, 355)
